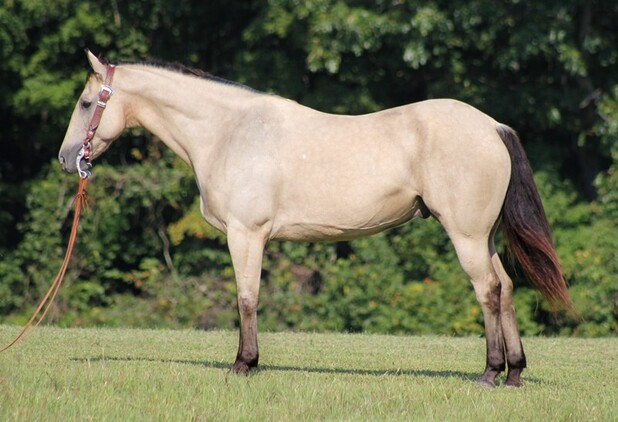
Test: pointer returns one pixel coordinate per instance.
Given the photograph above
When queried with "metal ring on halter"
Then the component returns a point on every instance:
(84, 174)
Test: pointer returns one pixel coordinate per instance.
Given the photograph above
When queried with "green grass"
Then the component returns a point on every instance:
(122, 374)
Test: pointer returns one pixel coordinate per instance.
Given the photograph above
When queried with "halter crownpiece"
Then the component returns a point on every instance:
(85, 151)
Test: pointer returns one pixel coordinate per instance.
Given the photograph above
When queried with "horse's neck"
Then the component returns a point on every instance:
(188, 114)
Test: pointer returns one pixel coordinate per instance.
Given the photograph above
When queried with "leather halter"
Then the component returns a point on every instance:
(105, 93)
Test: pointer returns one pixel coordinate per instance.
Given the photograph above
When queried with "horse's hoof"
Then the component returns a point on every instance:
(485, 383)
(241, 368)
(513, 379)
(514, 384)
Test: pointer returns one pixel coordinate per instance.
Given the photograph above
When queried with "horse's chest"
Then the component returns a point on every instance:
(212, 217)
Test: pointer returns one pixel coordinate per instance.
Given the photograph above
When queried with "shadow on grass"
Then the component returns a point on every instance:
(466, 376)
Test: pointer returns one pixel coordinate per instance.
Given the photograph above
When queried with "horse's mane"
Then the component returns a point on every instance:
(185, 70)
(182, 69)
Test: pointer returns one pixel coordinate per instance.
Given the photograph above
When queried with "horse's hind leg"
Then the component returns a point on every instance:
(515, 356)
(473, 254)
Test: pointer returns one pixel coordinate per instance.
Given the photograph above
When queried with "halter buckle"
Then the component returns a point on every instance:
(102, 101)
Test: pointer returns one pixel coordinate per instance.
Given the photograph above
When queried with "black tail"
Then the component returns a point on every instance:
(525, 227)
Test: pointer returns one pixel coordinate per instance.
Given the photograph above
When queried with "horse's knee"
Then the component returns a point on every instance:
(247, 304)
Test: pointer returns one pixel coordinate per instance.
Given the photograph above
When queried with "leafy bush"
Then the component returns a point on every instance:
(146, 258)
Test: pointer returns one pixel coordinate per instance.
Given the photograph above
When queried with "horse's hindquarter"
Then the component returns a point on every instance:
(465, 166)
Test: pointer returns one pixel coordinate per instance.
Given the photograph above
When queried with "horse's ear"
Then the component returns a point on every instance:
(96, 64)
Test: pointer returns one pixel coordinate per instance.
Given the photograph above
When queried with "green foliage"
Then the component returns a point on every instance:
(146, 258)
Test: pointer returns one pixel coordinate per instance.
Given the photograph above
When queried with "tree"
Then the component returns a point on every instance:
(548, 69)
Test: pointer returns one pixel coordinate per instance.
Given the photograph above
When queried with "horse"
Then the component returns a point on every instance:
(268, 168)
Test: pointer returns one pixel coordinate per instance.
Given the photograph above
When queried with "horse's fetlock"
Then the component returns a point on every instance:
(516, 361)
(496, 361)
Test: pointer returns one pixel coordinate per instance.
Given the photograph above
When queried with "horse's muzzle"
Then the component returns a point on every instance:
(67, 164)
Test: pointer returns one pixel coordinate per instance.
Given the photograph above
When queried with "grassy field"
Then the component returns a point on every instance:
(121, 374)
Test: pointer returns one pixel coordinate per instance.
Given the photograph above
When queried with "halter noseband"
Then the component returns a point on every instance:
(85, 151)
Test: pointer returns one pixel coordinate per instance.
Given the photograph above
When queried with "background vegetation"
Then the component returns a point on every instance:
(145, 258)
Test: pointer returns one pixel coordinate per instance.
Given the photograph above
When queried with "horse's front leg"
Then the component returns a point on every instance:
(246, 248)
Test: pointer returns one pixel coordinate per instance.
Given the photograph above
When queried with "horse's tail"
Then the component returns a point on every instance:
(525, 228)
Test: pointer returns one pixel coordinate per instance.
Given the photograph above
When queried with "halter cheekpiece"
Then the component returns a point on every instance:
(85, 152)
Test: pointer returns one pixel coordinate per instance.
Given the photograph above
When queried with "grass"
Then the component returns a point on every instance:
(164, 375)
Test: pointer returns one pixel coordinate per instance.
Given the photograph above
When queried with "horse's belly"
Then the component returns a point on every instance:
(322, 232)
(345, 222)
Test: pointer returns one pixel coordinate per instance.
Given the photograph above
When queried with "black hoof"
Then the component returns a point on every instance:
(513, 379)
(514, 384)
(488, 377)
(486, 383)
(242, 368)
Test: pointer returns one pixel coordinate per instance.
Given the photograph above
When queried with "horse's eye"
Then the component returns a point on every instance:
(85, 104)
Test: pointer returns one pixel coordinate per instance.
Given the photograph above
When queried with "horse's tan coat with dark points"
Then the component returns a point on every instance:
(269, 168)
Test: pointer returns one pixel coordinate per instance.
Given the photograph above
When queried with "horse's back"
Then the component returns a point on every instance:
(318, 176)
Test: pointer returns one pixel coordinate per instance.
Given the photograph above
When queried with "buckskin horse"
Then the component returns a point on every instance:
(269, 168)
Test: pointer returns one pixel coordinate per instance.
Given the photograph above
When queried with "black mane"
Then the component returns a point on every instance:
(185, 70)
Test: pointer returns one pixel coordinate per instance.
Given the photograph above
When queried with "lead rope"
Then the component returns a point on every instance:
(48, 299)
(80, 199)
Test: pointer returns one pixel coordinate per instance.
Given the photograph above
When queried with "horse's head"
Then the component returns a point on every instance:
(110, 127)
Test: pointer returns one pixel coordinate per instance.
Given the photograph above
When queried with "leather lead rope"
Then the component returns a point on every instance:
(80, 199)
(48, 299)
